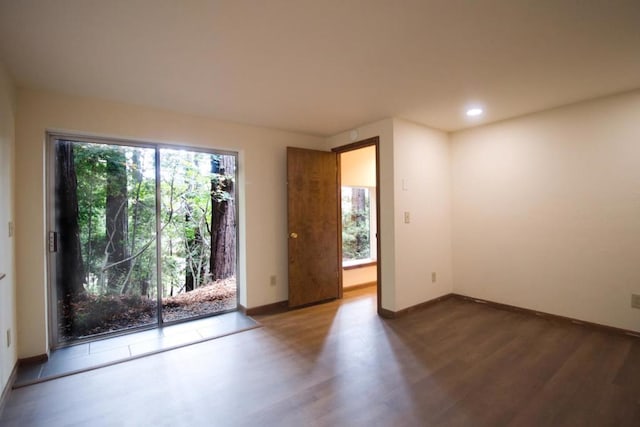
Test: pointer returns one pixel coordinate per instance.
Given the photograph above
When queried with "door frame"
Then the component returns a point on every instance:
(373, 141)
(52, 307)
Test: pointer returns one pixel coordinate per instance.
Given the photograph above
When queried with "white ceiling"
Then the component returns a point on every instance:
(324, 66)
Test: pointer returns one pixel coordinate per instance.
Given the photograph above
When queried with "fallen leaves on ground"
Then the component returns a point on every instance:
(92, 315)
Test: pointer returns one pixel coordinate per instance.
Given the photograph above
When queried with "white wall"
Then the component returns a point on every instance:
(411, 252)
(422, 166)
(262, 170)
(546, 211)
(359, 276)
(8, 355)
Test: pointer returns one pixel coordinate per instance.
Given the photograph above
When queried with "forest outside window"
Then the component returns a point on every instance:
(143, 235)
(357, 224)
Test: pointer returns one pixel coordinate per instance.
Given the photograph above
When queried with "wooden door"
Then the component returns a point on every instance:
(314, 255)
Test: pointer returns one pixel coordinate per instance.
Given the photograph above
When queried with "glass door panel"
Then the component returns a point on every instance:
(115, 210)
(104, 241)
(198, 233)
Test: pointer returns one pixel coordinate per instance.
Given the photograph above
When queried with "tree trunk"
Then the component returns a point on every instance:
(223, 217)
(117, 220)
(137, 175)
(195, 273)
(361, 217)
(69, 264)
(359, 204)
(190, 279)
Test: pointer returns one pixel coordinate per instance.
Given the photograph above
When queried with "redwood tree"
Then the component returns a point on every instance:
(117, 266)
(70, 272)
(223, 217)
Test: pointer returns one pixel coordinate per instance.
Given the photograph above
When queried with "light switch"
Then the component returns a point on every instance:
(407, 218)
(10, 228)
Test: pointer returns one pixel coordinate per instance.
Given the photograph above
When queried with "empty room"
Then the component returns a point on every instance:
(326, 213)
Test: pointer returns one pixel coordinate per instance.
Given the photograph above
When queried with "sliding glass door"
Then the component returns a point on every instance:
(198, 233)
(139, 235)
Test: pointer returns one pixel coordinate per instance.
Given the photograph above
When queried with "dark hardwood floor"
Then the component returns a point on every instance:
(456, 363)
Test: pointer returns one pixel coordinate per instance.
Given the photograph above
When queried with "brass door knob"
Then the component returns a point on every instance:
(293, 235)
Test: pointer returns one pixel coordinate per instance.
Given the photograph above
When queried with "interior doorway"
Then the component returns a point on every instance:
(359, 212)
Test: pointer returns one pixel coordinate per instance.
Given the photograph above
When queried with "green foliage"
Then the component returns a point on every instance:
(186, 188)
(218, 184)
(92, 171)
(355, 223)
(189, 181)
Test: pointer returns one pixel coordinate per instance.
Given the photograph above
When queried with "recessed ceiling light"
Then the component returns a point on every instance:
(474, 112)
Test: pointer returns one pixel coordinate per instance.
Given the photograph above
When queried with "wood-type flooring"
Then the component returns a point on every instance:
(456, 363)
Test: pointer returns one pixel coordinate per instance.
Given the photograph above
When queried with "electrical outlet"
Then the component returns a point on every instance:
(433, 277)
(407, 217)
(273, 280)
(635, 300)
(10, 228)
(8, 338)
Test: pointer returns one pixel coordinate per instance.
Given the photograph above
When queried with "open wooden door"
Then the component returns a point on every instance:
(314, 255)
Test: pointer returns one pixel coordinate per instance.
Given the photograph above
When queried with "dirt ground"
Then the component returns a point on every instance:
(213, 298)
(94, 315)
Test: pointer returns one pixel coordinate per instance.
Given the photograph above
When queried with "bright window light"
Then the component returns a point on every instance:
(473, 112)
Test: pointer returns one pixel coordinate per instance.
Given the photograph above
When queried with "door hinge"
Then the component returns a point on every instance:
(53, 241)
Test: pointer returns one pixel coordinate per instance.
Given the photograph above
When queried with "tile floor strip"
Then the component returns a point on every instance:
(99, 354)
